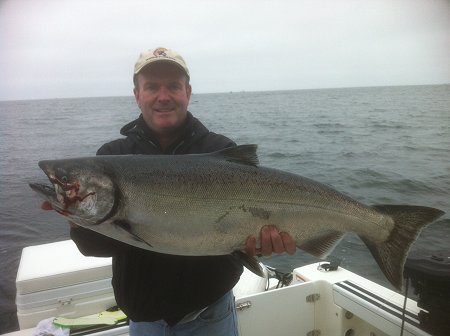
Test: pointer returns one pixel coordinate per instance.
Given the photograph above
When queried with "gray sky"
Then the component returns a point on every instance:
(87, 48)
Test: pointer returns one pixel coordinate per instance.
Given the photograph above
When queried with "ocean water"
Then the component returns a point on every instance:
(378, 145)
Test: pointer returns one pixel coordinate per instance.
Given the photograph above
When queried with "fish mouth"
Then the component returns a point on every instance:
(60, 201)
(45, 190)
(70, 191)
(48, 193)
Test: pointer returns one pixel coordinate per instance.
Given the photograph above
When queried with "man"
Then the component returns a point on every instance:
(166, 294)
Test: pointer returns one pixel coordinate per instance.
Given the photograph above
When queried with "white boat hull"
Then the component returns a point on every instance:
(316, 303)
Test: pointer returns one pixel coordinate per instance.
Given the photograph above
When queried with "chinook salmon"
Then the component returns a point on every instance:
(208, 204)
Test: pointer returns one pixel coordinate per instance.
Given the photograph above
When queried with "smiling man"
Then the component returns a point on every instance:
(162, 92)
(169, 294)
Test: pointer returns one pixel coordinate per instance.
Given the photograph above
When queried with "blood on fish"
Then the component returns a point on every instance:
(65, 186)
(69, 200)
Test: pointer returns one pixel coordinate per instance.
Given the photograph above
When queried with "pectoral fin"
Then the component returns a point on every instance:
(250, 262)
(125, 226)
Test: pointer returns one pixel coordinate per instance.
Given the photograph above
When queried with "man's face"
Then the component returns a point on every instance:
(163, 94)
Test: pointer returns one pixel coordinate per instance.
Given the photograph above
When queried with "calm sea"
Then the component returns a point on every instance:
(379, 145)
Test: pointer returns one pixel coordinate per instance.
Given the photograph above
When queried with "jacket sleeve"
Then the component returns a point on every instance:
(212, 142)
(93, 244)
(117, 147)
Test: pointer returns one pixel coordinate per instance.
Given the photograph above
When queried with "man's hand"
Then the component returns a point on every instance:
(272, 241)
(47, 206)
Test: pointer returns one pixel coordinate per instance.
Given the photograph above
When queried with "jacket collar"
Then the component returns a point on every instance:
(191, 130)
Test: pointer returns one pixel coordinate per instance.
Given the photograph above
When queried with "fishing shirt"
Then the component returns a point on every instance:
(150, 286)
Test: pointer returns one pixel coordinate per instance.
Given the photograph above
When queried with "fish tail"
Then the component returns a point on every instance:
(408, 222)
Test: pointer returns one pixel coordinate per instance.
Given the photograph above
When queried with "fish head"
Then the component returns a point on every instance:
(83, 191)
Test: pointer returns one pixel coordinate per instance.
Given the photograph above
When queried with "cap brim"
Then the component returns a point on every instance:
(153, 61)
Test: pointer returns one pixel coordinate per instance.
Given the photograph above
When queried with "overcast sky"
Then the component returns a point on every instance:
(87, 48)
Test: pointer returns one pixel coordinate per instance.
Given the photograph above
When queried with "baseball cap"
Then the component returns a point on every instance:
(159, 55)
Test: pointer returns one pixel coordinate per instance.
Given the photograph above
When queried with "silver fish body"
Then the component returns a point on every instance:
(208, 204)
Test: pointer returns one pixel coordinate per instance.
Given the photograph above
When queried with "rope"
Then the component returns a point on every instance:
(404, 307)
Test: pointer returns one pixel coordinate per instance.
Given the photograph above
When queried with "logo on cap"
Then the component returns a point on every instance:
(160, 52)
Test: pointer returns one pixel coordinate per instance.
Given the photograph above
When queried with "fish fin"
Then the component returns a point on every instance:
(250, 262)
(322, 246)
(86, 223)
(125, 226)
(244, 154)
(408, 222)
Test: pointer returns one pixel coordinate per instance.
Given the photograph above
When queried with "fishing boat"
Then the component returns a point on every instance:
(56, 283)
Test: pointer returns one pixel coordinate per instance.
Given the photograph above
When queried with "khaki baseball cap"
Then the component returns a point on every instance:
(159, 55)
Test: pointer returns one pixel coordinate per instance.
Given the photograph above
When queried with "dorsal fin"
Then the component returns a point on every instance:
(245, 154)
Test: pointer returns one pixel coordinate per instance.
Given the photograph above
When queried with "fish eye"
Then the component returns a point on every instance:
(64, 179)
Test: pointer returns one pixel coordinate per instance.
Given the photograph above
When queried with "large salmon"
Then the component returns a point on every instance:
(208, 204)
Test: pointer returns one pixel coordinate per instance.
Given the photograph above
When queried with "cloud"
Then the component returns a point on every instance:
(66, 48)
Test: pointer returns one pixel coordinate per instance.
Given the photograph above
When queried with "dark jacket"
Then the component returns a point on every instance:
(149, 286)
